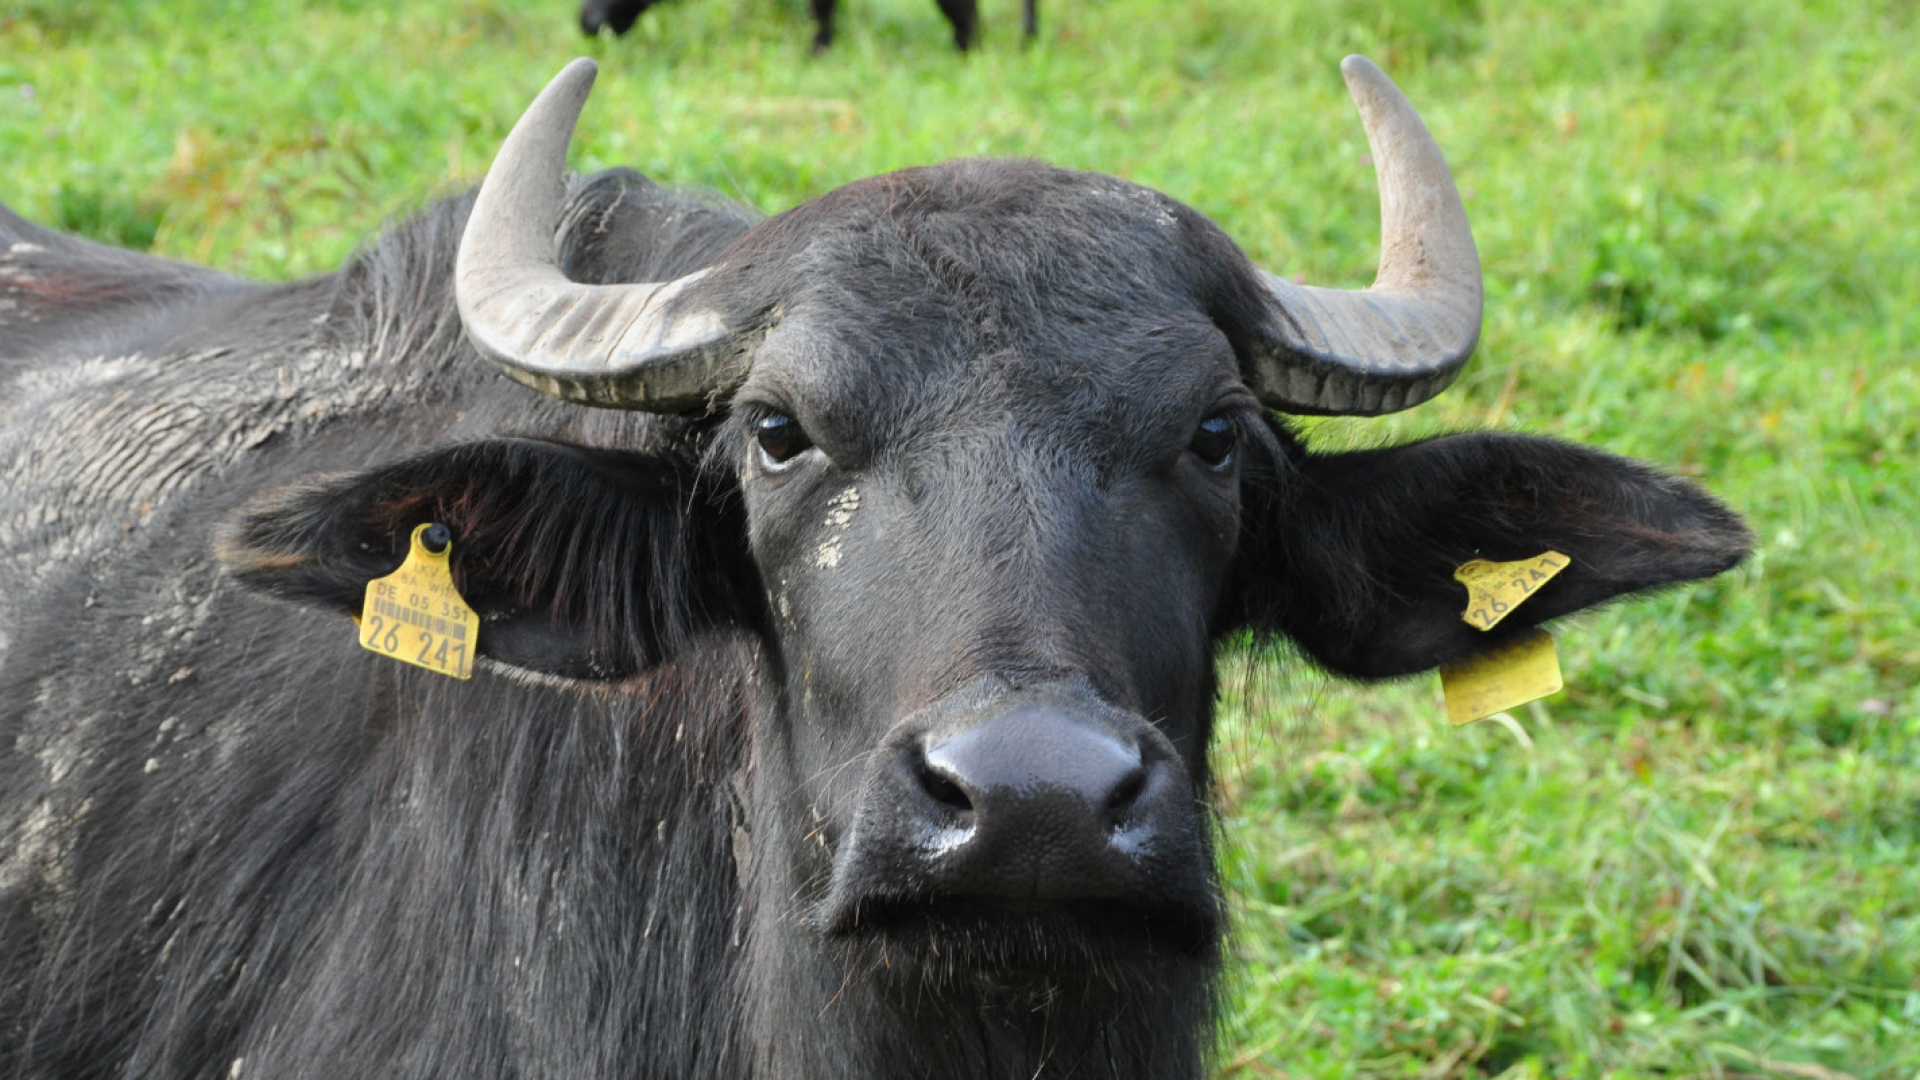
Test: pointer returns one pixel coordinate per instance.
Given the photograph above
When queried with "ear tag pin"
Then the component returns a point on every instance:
(416, 616)
(1526, 668)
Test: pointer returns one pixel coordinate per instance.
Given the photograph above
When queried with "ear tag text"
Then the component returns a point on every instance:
(1495, 588)
(416, 616)
(1524, 669)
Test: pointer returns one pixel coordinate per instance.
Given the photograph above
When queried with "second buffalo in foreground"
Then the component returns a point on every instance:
(848, 597)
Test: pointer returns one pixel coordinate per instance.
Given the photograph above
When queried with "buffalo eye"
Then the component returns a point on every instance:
(780, 437)
(1214, 440)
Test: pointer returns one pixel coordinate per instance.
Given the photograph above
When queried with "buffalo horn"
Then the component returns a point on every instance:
(617, 346)
(1399, 342)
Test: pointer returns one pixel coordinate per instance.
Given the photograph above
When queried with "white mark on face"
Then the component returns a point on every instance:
(828, 556)
(840, 511)
(841, 507)
(34, 849)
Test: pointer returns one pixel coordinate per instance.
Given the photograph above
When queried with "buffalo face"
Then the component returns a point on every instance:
(993, 546)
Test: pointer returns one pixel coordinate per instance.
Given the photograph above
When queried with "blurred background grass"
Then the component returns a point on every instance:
(1702, 243)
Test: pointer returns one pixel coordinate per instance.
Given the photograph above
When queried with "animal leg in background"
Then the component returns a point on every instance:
(823, 22)
(963, 14)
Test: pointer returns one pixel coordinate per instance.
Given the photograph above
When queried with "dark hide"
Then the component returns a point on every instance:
(619, 15)
(693, 815)
(231, 847)
(131, 302)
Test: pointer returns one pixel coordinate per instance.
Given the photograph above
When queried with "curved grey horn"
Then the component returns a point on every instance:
(1401, 341)
(609, 345)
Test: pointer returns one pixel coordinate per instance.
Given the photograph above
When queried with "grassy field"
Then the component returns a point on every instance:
(1701, 227)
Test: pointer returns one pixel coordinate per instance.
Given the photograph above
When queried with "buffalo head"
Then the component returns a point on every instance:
(983, 460)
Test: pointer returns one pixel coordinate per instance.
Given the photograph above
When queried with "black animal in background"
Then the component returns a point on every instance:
(849, 585)
(618, 16)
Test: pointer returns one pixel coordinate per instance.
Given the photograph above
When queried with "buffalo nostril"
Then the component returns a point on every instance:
(944, 791)
(1125, 794)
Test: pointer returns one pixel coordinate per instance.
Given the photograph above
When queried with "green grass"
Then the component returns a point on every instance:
(1701, 232)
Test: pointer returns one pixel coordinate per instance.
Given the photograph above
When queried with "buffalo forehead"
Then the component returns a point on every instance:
(1010, 234)
(999, 283)
(1132, 384)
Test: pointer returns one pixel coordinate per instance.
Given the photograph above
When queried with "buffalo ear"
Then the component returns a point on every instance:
(580, 562)
(1355, 559)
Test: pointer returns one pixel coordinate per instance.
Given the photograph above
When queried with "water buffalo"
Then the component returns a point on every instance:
(618, 16)
(848, 582)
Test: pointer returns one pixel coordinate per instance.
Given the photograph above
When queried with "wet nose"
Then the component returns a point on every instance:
(1034, 768)
(1037, 803)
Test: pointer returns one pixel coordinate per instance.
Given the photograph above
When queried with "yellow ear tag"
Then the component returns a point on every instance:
(1525, 669)
(1496, 588)
(415, 614)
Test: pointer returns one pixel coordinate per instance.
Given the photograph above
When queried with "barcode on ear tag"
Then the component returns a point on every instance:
(1525, 669)
(1494, 589)
(416, 616)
